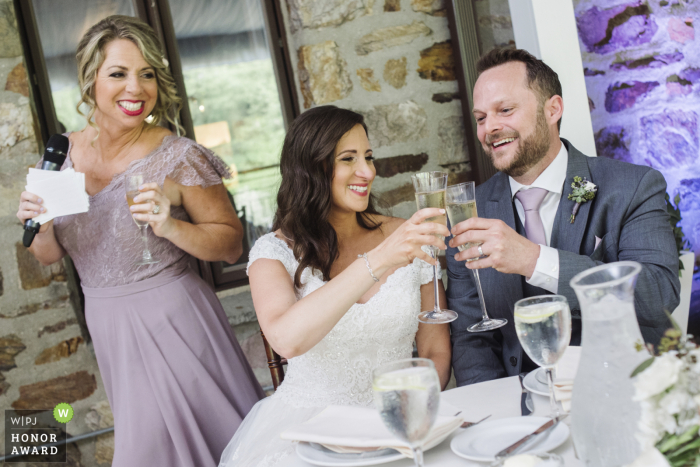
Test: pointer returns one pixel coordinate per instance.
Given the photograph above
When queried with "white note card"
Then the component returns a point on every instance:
(63, 192)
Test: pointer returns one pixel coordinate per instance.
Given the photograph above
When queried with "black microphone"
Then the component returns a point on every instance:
(54, 157)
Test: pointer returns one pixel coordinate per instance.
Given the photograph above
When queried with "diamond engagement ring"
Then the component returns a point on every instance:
(156, 209)
(481, 252)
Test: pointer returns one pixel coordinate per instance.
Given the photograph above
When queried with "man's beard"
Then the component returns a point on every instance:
(531, 150)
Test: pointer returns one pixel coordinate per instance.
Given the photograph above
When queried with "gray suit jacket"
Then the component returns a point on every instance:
(628, 214)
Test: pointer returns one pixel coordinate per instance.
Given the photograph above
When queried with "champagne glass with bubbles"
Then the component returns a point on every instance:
(430, 193)
(132, 184)
(543, 325)
(407, 395)
(461, 205)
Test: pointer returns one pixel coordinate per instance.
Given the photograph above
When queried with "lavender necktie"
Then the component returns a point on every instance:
(531, 200)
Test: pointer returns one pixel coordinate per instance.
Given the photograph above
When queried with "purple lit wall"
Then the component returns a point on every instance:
(642, 65)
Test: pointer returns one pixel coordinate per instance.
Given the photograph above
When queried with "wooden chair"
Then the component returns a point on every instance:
(274, 363)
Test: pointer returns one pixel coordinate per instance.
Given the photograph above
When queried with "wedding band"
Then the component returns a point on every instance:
(156, 209)
(481, 252)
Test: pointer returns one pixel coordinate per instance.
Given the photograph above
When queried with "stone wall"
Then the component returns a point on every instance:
(392, 61)
(238, 305)
(642, 67)
(44, 357)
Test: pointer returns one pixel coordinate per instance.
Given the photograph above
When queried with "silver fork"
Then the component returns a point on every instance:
(469, 424)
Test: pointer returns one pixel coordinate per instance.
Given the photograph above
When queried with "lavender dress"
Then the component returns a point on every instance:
(176, 378)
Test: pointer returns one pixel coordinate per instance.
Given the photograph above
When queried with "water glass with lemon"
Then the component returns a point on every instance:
(543, 325)
(407, 395)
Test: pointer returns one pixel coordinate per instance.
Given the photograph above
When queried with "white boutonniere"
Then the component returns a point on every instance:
(584, 191)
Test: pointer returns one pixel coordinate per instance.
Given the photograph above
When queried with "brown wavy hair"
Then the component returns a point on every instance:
(304, 199)
(91, 55)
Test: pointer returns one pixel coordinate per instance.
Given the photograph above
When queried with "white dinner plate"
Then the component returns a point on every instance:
(536, 382)
(482, 442)
(318, 455)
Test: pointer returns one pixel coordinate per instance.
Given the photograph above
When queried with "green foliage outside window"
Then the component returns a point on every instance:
(245, 95)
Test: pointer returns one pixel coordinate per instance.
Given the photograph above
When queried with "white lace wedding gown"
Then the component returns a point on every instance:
(338, 369)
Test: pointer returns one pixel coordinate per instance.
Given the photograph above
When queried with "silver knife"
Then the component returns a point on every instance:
(529, 439)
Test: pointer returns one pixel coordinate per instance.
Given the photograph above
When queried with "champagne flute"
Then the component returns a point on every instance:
(430, 193)
(407, 395)
(543, 325)
(460, 206)
(132, 184)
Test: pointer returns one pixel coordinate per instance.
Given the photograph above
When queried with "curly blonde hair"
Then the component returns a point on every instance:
(91, 55)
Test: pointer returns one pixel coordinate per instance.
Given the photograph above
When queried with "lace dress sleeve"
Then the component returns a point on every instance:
(190, 164)
(425, 270)
(270, 247)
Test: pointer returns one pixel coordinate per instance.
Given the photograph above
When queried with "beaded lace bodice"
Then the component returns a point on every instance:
(105, 242)
(338, 369)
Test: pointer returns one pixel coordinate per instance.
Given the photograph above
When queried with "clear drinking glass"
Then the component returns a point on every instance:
(407, 395)
(430, 193)
(461, 205)
(543, 325)
(131, 185)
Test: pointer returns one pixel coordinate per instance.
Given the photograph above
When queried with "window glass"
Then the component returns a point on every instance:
(233, 99)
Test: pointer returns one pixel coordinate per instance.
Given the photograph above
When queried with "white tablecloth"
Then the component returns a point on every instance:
(499, 398)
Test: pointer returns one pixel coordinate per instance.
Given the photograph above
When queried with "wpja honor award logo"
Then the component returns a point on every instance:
(37, 435)
(63, 413)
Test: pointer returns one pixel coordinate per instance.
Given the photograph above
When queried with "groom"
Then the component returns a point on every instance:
(529, 243)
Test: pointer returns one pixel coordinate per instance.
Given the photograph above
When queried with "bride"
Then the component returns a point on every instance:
(334, 315)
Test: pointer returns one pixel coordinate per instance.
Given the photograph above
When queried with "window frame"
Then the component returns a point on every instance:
(463, 26)
(156, 13)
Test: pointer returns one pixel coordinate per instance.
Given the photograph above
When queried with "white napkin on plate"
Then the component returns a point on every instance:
(63, 192)
(498, 398)
(566, 372)
(346, 429)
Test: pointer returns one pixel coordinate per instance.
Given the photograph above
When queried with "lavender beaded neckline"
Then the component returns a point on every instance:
(119, 175)
(104, 241)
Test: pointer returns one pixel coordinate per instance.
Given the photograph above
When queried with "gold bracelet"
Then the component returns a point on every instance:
(364, 255)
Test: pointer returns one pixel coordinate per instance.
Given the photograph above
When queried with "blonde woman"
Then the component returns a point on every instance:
(176, 378)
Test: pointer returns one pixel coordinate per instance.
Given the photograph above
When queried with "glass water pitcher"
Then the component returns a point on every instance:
(604, 416)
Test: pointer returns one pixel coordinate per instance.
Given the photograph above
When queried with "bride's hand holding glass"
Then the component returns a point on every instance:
(406, 242)
(152, 206)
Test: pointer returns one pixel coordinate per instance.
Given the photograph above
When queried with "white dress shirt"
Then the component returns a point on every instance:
(546, 273)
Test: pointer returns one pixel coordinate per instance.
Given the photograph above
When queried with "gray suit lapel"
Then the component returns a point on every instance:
(565, 235)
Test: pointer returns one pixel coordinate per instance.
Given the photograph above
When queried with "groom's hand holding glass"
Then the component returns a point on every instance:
(503, 248)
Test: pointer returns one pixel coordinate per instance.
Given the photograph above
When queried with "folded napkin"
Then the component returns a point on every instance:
(63, 192)
(346, 429)
(498, 398)
(566, 372)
